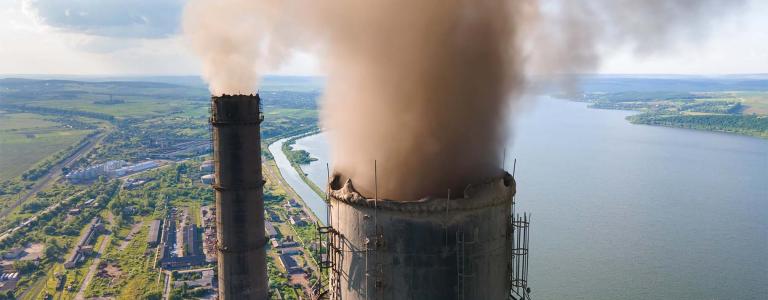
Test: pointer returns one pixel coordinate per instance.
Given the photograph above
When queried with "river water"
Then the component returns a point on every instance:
(315, 203)
(623, 211)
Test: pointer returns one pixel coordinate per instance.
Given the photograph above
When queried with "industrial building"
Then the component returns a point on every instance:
(192, 243)
(168, 258)
(112, 168)
(153, 237)
(181, 149)
(207, 166)
(93, 172)
(270, 229)
(142, 166)
(207, 179)
(81, 249)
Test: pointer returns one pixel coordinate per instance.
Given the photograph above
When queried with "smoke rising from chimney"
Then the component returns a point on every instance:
(424, 87)
(421, 87)
(233, 39)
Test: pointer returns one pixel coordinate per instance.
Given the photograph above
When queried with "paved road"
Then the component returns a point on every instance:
(55, 172)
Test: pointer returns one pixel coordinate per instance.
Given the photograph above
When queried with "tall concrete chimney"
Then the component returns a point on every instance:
(456, 247)
(239, 197)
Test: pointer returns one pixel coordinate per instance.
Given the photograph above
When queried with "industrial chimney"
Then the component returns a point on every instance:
(461, 246)
(239, 197)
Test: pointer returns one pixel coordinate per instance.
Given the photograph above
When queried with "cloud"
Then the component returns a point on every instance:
(149, 19)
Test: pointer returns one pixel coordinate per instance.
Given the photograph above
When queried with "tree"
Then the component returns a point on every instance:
(176, 294)
(153, 295)
(53, 249)
(8, 295)
(25, 266)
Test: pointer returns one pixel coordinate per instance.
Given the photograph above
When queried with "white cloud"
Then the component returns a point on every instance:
(110, 18)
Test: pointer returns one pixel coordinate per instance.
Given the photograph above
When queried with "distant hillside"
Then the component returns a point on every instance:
(31, 89)
(684, 84)
(277, 92)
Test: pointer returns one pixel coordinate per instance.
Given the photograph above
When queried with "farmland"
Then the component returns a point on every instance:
(26, 139)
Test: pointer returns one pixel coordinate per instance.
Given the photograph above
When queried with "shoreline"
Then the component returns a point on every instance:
(273, 164)
(284, 148)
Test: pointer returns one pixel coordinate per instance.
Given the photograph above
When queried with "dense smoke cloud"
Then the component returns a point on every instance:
(423, 87)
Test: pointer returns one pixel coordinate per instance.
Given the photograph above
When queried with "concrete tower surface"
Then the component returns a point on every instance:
(239, 197)
(433, 248)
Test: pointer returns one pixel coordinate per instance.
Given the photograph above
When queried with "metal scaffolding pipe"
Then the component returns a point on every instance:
(242, 268)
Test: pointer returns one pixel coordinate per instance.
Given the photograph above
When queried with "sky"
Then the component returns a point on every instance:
(142, 37)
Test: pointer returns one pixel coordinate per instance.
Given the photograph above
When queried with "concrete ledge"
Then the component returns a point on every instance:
(490, 193)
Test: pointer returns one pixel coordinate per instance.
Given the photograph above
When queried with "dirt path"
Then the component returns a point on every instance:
(95, 265)
(135, 229)
(167, 289)
(92, 269)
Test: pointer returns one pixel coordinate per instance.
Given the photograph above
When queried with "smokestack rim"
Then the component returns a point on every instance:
(491, 192)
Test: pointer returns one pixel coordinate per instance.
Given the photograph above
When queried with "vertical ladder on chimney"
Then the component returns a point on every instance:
(462, 270)
(331, 262)
(519, 258)
(460, 265)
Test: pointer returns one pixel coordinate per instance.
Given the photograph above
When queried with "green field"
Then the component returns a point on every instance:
(756, 102)
(133, 108)
(26, 139)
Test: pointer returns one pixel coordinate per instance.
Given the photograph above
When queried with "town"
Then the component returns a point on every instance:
(128, 212)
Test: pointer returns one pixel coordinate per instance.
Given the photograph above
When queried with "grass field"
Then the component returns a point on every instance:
(20, 121)
(132, 108)
(26, 139)
(756, 102)
(135, 265)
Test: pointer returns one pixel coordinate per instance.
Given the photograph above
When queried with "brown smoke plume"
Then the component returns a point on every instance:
(423, 87)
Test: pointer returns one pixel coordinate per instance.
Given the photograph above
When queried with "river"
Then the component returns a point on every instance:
(315, 203)
(623, 211)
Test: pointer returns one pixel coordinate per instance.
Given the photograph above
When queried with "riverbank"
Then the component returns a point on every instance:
(295, 181)
(734, 113)
(287, 147)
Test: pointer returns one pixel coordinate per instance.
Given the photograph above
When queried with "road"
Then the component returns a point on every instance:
(135, 229)
(167, 289)
(95, 264)
(194, 270)
(55, 172)
(92, 269)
